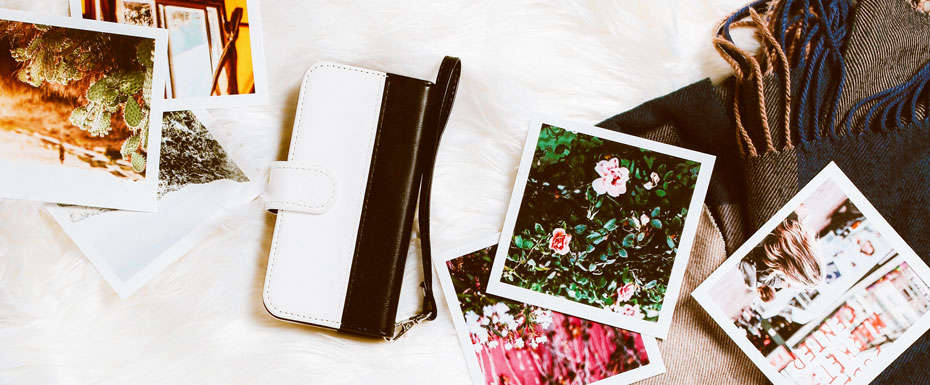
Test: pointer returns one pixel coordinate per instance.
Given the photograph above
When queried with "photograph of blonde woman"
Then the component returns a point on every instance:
(788, 257)
(825, 281)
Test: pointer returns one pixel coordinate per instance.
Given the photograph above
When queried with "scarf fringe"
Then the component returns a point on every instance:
(807, 38)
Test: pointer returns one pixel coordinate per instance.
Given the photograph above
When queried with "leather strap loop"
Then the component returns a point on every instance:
(442, 100)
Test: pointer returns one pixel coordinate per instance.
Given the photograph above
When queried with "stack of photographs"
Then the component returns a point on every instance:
(83, 124)
(197, 182)
(593, 251)
(577, 287)
(507, 341)
(215, 54)
(587, 269)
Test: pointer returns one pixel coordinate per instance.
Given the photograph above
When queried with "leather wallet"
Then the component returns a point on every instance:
(361, 154)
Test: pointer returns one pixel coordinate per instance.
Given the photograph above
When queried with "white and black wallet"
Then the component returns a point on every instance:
(361, 154)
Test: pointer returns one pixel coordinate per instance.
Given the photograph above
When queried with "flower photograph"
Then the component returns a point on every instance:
(76, 106)
(212, 50)
(822, 294)
(599, 223)
(517, 343)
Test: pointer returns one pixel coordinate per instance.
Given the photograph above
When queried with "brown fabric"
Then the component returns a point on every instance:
(883, 52)
(891, 168)
(697, 351)
(771, 181)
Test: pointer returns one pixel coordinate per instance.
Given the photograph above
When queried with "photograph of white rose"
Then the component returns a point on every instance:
(510, 342)
(599, 222)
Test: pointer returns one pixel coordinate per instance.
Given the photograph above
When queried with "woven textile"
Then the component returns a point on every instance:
(888, 43)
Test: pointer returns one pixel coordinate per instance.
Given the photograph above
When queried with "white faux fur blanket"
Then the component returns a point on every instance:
(202, 320)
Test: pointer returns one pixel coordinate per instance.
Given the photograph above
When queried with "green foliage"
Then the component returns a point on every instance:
(138, 161)
(54, 57)
(118, 69)
(133, 114)
(470, 274)
(630, 239)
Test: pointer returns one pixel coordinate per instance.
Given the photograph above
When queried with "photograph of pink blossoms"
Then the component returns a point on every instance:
(600, 222)
(516, 343)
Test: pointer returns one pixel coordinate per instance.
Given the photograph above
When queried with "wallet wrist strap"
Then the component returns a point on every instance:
(446, 86)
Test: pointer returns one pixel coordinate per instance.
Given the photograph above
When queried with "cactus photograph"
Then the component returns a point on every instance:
(76, 107)
(74, 97)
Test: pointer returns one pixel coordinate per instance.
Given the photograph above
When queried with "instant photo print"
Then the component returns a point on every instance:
(508, 341)
(197, 182)
(79, 122)
(825, 292)
(600, 225)
(215, 49)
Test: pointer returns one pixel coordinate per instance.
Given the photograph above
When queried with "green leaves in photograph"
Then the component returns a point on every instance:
(620, 210)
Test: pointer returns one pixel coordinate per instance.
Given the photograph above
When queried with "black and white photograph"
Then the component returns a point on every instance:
(198, 179)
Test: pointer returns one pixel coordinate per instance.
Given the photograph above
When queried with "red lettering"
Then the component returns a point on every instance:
(801, 362)
(856, 372)
(846, 351)
(832, 377)
(837, 362)
(877, 322)
(827, 331)
(814, 337)
(864, 332)
(806, 351)
(851, 313)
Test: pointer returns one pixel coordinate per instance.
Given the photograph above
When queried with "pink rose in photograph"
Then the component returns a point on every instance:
(559, 241)
(613, 178)
(625, 208)
(626, 292)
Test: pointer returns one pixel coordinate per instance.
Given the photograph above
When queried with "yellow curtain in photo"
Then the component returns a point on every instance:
(245, 76)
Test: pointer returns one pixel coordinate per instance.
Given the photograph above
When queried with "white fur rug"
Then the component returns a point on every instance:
(202, 320)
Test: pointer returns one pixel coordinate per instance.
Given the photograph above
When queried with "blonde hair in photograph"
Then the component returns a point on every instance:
(792, 249)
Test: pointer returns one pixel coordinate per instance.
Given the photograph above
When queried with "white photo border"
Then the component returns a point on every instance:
(257, 45)
(107, 192)
(126, 287)
(658, 328)
(655, 366)
(831, 172)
